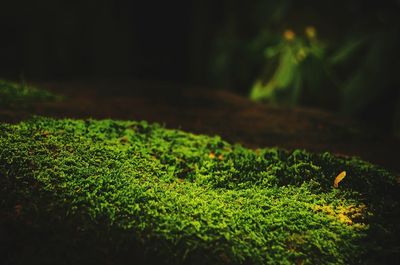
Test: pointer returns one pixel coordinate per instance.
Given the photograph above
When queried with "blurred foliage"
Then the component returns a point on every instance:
(300, 63)
(20, 95)
(345, 61)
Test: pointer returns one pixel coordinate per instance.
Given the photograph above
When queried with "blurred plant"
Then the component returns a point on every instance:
(295, 55)
(352, 71)
(355, 77)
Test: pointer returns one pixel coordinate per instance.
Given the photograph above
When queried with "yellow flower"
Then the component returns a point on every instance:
(311, 32)
(289, 35)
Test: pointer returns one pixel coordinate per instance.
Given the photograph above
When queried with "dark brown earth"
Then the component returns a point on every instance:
(217, 112)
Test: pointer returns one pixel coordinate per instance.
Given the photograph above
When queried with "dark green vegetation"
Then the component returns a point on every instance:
(331, 66)
(111, 192)
(14, 95)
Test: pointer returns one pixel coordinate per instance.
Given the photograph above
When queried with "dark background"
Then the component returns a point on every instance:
(157, 40)
(216, 44)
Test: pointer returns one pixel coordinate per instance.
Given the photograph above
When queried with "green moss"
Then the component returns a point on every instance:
(14, 95)
(192, 199)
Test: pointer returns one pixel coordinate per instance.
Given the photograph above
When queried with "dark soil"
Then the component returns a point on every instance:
(206, 111)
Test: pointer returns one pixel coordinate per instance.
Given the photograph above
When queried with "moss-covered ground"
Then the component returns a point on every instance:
(126, 192)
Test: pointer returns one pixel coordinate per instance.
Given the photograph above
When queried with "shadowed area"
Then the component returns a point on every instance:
(201, 110)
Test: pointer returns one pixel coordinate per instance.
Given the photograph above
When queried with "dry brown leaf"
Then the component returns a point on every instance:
(339, 178)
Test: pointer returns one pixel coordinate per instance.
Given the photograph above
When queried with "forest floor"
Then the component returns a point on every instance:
(216, 112)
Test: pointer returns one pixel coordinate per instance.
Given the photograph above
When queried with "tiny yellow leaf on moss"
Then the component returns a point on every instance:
(339, 178)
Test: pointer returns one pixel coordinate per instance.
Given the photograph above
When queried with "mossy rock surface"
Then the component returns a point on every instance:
(123, 192)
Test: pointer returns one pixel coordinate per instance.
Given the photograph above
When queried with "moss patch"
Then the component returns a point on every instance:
(14, 95)
(124, 189)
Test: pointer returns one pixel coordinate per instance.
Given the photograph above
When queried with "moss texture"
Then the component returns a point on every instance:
(110, 192)
(14, 95)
